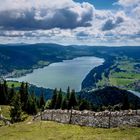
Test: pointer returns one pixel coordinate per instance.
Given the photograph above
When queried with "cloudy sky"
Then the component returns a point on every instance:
(90, 22)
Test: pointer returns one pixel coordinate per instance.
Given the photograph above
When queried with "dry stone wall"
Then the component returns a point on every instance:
(105, 119)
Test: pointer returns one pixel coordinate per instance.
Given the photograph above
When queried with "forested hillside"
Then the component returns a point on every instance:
(121, 67)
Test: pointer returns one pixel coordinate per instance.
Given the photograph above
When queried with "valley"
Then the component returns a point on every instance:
(121, 66)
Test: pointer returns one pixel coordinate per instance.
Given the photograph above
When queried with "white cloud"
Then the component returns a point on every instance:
(128, 3)
(68, 22)
(44, 14)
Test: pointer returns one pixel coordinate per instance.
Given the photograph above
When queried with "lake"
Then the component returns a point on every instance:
(62, 74)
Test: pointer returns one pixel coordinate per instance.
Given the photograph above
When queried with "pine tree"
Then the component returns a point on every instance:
(31, 106)
(126, 104)
(42, 101)
(3, 94)
(54, 98)
(64, 103)
(34, 104)
(59, 100)
(12, 93)
(72, 100)
(68, 93)
(16, 110)
(84, 104)
(24, 95)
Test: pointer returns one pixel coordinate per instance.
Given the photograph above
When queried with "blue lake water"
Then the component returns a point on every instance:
(62, 74)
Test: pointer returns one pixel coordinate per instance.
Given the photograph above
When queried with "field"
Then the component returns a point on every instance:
(16, 84)
(53, 131)
(123, 74)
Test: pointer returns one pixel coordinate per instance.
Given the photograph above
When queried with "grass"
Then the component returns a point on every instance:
(16, 84)
(46, 130)
(5, 110)
(57, 131)
(121, 81)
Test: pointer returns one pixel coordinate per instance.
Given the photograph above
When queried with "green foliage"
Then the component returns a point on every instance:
(42, 101)
(126, 104)
(24, 94)
(84, 104)
(64, 103)
(48, 104)
(31, 106)
(11, 93)
(68, 93)
(59, 100)
(4, 97)
(72, 100)
(21, 101)
(54, 98)
(16, 110)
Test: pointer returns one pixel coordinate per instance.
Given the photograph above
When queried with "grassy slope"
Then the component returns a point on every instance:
(5, 111)
(53, 131)
(16, 84)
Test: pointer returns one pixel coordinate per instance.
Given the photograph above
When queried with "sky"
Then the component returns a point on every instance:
(70, 22)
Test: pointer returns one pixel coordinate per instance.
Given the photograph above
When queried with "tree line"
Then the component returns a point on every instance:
(68, 100)
(20, 100)
(23, 101)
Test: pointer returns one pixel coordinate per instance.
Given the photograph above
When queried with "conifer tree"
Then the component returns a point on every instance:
(84, 104)
(59, 100)
(22, 93)
(31, 106)
(54, 98)
(68, 93)
(16, 110)
(5, 92)
(12, 93)
(42, 101)
(72, 100)
(64, 103)
(126, 104)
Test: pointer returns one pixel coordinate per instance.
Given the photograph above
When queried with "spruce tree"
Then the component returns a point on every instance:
(22, 93)
(72, 100)
(64, 103)
(59, 100)
(12, 93)
(6, 92)
(16, 109)
(31, 106)
(54, 98)
(126, 104)
(34, 104)
(84, 104)
(42, 101)
(68, 93)
(3, 94)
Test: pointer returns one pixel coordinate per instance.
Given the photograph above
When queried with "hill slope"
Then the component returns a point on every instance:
(109, 96)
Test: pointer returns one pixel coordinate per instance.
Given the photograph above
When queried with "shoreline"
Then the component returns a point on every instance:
(102, 60)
